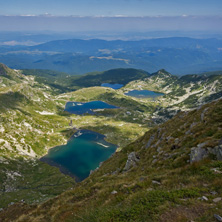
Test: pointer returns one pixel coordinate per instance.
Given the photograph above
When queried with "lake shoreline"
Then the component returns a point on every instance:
(81, 108)
(78, 133)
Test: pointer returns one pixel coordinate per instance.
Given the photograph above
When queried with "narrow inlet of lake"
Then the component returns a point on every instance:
(84, 151)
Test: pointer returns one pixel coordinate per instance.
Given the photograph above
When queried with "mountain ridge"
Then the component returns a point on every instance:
(178, 55)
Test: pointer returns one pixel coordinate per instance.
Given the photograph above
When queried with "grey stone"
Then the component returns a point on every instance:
(204, 198)
(213, 192)
(114, 192)
(216, 170)
(156, 182)
(219, 218)
(218, 152)
(218, 199)
(150, 141)
(201, 145)
(131, 161)
(197, 154)
(202, 114)
(154, 161)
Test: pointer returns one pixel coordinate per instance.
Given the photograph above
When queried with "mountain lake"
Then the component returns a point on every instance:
(144, 94)
(84, 152)
(113, 86)
(88, 107)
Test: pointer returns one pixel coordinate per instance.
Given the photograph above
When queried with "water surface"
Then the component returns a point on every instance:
(113, 86)
(82, 153)
(88, 107)
(144, 94)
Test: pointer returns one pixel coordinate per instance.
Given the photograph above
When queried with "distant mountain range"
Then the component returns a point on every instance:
(178, 55)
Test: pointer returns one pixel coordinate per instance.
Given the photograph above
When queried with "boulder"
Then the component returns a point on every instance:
(131, 161)
(217, 151)
(197, 154)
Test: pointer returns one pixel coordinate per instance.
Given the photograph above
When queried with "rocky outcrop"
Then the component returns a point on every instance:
(198, 153)
(131, 161)
(151, 139)
(3, 69)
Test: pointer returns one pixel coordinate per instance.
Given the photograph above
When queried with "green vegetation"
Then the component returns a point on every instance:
(161, 183)
(161, 186)
(63, 82)
(30, 181)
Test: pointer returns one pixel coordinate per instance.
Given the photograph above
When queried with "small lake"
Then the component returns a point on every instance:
(88, 107)
(82, 153)
(144, 94)
(113, 86)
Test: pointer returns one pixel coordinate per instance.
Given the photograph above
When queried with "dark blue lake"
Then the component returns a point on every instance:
(113, 86)
(143, 94)
(81, 108)
(82, 153)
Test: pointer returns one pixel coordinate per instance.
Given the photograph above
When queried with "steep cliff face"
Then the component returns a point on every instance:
(172, 173)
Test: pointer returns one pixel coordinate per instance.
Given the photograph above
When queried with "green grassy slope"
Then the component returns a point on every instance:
(161, 185)
(64, 82)
(25, 135)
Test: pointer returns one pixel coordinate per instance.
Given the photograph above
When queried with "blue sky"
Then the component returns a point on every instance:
(111, 7)
(116, 15)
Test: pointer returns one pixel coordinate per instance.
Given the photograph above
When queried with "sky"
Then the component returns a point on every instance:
(100, 15)
(111, 7)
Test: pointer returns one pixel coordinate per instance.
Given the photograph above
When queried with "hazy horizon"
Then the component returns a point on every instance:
(116, 23)
(116, 16)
